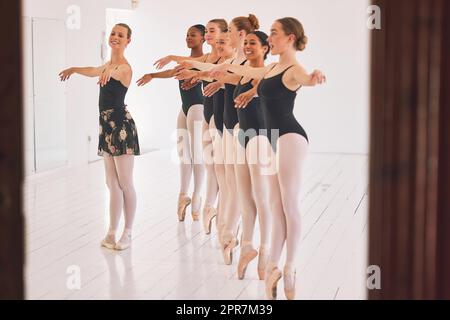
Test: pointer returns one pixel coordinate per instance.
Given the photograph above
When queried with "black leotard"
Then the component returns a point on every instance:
(208, 107)
(191, 97)
(277, 103)
(251, 119)
(112, 95)
(219, 102)
(117, 131)
(230, 117)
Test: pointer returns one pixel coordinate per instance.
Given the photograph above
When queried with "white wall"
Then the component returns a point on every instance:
(335, 115)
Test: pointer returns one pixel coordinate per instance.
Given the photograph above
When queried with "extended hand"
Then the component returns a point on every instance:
(183, 65)
(65, 74)
(144, 80)
(318, 77)
(218, 71)
(162, 62)
(244, 99)
(188, 84)
(185, 74)
(105, 76)
(211, 88)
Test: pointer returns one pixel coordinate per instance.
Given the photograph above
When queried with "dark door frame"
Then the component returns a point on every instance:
(409, 162)
(11, 160)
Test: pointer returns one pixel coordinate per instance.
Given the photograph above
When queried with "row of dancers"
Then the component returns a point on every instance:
(245, 108)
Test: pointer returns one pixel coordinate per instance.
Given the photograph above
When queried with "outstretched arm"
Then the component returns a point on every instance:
(299, 77)
(184, 72)
(193, 74)
(246, 71)
(168, 59)
(157, 75)
(84, 71)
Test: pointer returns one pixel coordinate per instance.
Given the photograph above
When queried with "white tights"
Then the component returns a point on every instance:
(119, 179)
(190, 152)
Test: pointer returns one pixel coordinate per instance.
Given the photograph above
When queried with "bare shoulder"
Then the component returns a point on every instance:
(293, 73)
(297, 68)
(292, 79)
(126, 67)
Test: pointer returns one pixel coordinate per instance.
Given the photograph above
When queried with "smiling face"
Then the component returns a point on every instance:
(194, 38)
(223, 46)
(279, 41)
(118, 39)
(253, 48)
(212, 33)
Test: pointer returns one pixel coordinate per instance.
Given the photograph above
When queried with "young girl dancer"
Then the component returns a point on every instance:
(213, 29)
(189, 141)
(225, 52)
(277, 90)
(238, 29)
(252, 186)
(118, 140)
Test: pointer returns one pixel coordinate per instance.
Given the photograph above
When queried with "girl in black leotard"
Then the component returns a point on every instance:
(118, 140)
(238, 29)
(190, 115)
(277, 91)
(252, 185)
(213, 30)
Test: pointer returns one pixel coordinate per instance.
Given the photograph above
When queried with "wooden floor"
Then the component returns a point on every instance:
(67, 215)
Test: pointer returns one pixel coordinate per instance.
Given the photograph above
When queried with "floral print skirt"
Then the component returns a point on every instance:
(117, 133)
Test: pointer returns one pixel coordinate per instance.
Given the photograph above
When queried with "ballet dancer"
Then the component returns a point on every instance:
(118, 139)
(252, 186)
(189, 141)
(213, 29)
(238, 29)
(277, 89)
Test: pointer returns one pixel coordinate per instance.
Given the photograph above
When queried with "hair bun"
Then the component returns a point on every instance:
(301, 43)
(253, 21)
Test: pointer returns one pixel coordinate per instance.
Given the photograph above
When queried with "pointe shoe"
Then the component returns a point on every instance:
(109, 242)
(183, 203)
(289, 278)
(271, 283)
(244, 260)
(124, 242)
(209, 213)
(227, 251)
(196, 214)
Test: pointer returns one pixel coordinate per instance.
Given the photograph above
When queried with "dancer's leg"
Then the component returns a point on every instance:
(115, 198)
(212, 187)
(232, 214)
(184, 153)
(194, 125)
(220, 174)
(257, 148)
(246, 201)
(124, 166)
(292, 151)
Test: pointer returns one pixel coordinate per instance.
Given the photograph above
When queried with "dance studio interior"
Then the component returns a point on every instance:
(371, 214)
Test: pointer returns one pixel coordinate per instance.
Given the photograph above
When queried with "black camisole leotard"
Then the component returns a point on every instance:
(230, 117)
(191, 97)
(251, 119)
(277, 104)
(208, 106)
